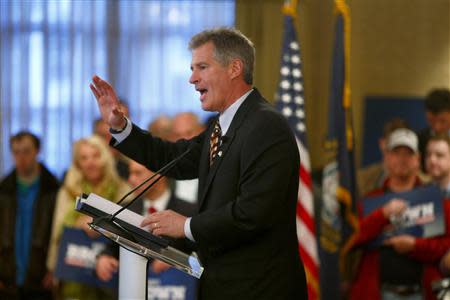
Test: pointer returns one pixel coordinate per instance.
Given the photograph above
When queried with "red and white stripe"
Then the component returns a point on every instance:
(306, 232)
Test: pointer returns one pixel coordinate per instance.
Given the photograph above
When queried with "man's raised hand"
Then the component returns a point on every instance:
(108, 103)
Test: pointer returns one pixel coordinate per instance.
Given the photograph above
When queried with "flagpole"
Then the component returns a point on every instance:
(342, 8)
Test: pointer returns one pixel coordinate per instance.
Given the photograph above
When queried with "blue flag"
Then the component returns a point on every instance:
(338, 215)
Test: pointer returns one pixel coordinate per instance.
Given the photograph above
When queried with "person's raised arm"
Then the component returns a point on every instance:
(108, 103)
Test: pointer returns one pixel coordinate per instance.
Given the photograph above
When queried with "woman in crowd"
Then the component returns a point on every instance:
(92, 171)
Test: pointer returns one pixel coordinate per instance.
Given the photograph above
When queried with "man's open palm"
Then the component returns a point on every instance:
(108, 103)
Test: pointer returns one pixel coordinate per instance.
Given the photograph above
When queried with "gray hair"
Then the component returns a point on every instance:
(229, 44)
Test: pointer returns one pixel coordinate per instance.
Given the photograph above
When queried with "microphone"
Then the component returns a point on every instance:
(160, 173)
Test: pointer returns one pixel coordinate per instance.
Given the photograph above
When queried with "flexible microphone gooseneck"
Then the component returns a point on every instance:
(160, 173)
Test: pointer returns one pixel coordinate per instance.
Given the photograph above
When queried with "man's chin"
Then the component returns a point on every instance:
(405, 176)
(206, 107)
(434, 173)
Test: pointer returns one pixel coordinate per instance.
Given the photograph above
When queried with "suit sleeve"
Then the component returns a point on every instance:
(269, 164)
(154, 153)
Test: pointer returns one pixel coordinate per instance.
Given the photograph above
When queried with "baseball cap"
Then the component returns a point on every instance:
(403, 137)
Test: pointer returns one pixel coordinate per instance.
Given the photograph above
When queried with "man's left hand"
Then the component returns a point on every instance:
(167, 223)
(402, 243)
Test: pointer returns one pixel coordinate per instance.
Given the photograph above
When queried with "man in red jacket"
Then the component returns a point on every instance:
(405, 266)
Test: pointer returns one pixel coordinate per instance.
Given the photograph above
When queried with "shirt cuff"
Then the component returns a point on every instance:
(187, 229)
(119, 137)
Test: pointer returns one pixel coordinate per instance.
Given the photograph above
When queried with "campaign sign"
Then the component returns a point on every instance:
(76, 258)
(171, 284)
(76, 262)
(424, 216)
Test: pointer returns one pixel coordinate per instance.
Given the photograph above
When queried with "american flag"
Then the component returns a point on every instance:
(290, 102)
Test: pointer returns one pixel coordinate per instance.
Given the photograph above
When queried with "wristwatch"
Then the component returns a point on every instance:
(115, 131)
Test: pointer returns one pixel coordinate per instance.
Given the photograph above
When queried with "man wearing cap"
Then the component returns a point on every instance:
(374, 175)
(384, 272)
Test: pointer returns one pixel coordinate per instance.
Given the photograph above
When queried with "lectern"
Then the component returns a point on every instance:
(137, 245)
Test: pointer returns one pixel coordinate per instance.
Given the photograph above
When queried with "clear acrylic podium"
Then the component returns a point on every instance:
(137, 245)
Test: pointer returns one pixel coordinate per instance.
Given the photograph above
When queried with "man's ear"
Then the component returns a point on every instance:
(236, 68)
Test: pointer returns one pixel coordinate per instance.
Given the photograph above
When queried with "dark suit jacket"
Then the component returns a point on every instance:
(246, 227)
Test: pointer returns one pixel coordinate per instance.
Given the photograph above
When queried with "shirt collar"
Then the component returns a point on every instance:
(227, 116)
(159, 204)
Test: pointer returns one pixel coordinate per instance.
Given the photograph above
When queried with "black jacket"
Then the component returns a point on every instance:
(41, 230)
(246, 226)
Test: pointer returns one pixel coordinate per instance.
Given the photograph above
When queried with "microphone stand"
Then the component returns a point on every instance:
(161, 173)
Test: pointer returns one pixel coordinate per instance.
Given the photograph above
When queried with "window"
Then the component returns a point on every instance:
(49, 51)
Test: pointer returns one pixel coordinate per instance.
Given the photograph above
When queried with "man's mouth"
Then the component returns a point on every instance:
(203, 93)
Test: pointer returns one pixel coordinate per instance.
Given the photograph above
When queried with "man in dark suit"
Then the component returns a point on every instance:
(247, 162)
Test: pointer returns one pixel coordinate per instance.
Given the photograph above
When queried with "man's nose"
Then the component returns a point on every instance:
(434, 158)
(194, 78)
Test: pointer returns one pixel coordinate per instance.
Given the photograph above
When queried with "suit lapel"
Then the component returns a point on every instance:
(238, 118)
(204, 161)
(214, 167)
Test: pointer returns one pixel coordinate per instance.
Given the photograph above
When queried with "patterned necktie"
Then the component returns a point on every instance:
(214, 142)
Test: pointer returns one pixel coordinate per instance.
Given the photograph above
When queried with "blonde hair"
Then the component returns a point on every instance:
(75, 178)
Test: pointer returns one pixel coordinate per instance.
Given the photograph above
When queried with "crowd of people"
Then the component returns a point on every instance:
(404, 266)
(36, 207)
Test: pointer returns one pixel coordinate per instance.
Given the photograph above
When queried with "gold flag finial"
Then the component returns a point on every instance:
(290, 8)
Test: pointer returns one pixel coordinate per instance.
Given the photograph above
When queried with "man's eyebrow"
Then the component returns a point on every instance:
(197, 65)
